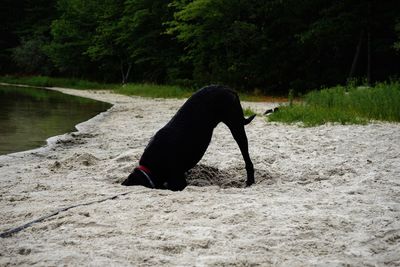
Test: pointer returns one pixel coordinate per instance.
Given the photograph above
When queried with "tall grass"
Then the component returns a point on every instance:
(345, 105)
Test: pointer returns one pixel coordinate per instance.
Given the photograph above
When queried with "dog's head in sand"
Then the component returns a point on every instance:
(140, 176)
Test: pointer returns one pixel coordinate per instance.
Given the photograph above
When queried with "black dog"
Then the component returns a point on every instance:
(179, 145)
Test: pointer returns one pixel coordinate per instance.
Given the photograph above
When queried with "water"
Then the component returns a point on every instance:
(28, 116)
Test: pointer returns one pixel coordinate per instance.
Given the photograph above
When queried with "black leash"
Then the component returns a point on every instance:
(12, 231)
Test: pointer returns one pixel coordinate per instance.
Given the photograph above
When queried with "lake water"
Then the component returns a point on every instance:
(28, 116)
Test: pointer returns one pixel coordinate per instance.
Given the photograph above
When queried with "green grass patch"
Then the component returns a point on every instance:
(344, 105)
(256, 96)
(247, 112)
(250, 97)
(154, 90)
(313, 116)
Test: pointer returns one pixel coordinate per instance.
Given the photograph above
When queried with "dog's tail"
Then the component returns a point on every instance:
(249, 119)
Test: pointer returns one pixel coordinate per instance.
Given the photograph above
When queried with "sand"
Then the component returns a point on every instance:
(327, 195)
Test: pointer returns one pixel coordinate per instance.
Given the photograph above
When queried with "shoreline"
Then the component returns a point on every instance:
(52, 140)
(325, 195)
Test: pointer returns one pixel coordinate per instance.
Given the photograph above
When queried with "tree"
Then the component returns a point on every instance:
(130, 34)
(72, 36)
(142, 32)
(114, 36)
(397, 43)
(238, 42)
(24, 29)
(30, 56)
(105, 47)
(272, 45)
(10, 13)
(350, 39)
(217, 38)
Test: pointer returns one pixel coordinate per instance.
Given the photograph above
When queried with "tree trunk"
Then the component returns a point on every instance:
(369, 60)
(125, 74)
(128, 71)
(121, 66)
(369, 46)
(356, 55)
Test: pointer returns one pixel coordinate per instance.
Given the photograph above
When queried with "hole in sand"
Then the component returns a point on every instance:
(203, 175)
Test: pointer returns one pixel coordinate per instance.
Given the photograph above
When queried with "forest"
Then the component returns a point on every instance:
(270, 46)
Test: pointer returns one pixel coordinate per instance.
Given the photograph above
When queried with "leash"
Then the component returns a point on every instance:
(12, 231)
(148, 179)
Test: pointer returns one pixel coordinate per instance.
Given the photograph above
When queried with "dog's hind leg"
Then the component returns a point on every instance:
(235, 120)
(240, 137)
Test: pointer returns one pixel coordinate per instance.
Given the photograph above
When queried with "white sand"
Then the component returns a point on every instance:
(327, 195)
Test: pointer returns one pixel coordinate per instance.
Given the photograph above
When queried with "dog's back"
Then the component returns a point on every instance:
(181, 143)
(206, 108)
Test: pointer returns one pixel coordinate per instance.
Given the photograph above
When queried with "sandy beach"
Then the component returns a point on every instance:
(324, 196)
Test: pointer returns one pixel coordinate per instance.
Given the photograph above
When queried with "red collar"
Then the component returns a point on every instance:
(143, 168)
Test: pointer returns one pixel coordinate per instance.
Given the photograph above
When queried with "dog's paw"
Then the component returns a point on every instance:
(249, 183)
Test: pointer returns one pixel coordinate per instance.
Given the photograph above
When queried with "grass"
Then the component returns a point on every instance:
(138, 89)
(45, 81)
(344, 105)
(145, 89)
(257, 96)
(247, 112)
(154, 90)
(38, 94)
